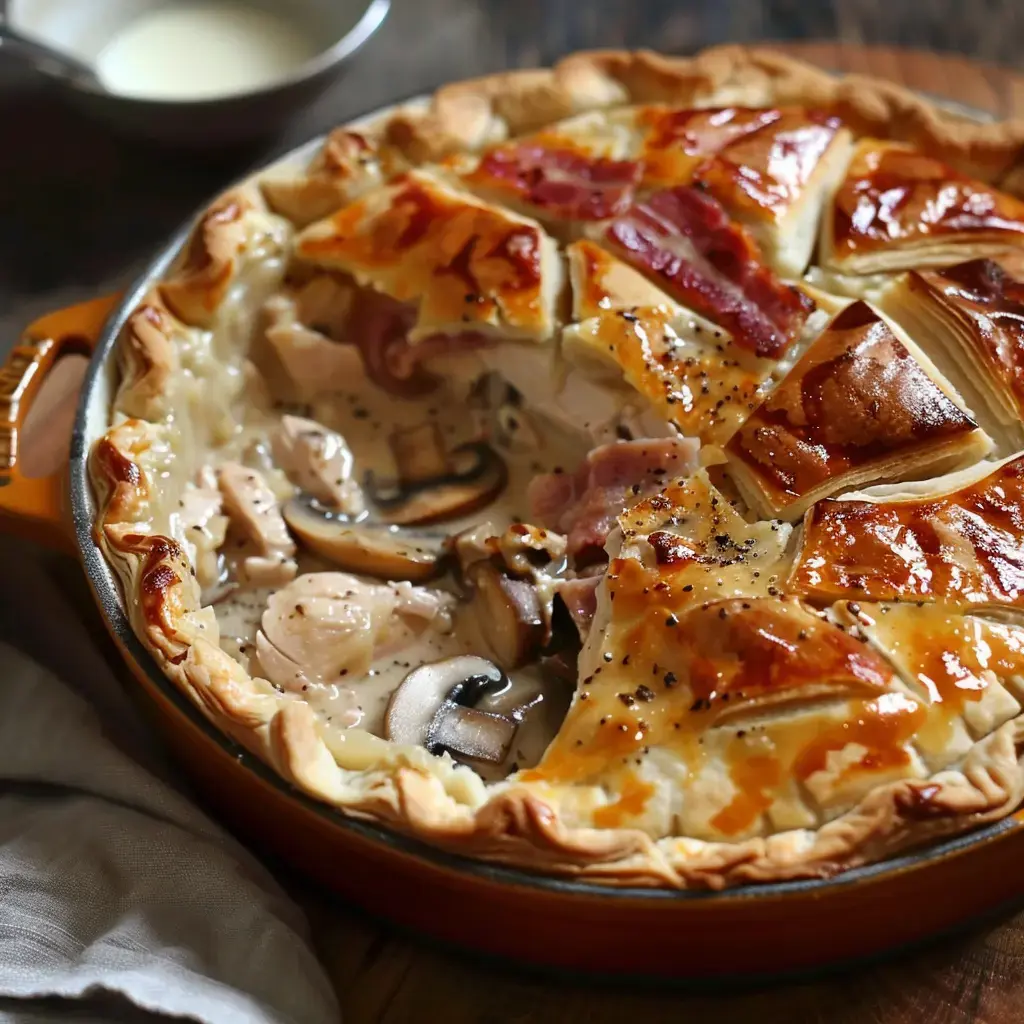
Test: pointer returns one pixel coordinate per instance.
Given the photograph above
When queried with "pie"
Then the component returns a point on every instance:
(612, 470)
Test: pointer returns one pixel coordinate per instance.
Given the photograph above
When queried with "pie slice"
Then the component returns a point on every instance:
(683, 240)
(898, 209)
(775, 181)
(957, 541)
(971, 317)
(600, 282)
(688, 372)
(863, 405)
(968, 670)
(468, 267)
(745, 712)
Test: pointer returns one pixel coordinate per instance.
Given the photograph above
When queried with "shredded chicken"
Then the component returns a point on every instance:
(254, 512)
(327, 628)
(312, 362)
(319, 462)
(201, 526)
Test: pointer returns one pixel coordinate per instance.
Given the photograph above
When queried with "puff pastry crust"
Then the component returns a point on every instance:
(971, 316)
(758, 698)
(898, 209)
(862, 406)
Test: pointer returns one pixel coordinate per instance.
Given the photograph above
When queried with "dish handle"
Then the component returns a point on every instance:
(35, 506)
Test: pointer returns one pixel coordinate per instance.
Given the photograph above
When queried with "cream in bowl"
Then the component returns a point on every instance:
(199, 71)
(227, 48)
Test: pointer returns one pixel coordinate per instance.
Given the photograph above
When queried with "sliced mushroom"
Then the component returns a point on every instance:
(373, 549)
(433, 484)
(509, 613)
(478, 735)
(433, 708)
(419, 453)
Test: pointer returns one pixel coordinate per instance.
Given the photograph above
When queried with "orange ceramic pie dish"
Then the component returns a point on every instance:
(581, 513)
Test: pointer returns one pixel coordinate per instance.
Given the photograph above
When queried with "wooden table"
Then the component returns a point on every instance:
(80, 210)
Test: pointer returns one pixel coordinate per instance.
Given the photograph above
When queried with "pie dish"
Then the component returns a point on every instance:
(576, 471)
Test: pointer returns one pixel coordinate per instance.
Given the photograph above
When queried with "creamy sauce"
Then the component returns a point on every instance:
(366, 416)
(192, 51)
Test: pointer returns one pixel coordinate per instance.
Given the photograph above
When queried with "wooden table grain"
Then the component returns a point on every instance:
(80, 210)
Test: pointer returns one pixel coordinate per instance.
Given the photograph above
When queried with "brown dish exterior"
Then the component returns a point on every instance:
(490, 379)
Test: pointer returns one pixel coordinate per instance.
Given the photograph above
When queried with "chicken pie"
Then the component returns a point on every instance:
(514, 473)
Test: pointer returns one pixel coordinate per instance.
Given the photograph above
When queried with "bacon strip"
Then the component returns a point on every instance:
(683, 238)
(584, 505)
(565, 184)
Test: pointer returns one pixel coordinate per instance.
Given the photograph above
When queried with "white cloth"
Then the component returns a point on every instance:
(119, 900)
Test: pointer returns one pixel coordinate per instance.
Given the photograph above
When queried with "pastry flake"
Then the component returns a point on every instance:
(898, 209)
(971, 317)
(861, 406)
(958, 542)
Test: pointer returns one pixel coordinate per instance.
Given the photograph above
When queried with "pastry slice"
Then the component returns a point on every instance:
(957, 541)
(971, 316)
(969, 671)
(863, 405)
(770, 168)
(467, 267)
(689, 373)
(582, 169)
(600, 282)
(705, 698)
(591, 167)
(898, 209)
(683, 240)
(775, 181)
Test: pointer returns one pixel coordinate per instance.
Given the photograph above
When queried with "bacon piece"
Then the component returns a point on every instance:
(584, 505)
(380, 328)
(563, 183)
(683, 238)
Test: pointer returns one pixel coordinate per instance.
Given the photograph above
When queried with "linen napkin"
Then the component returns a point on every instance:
(119, 900)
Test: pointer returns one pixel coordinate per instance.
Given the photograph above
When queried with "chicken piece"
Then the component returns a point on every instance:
(319, 462)
(253, 510)
(200, 525)
(325, 304)
(327, 628)
(313, 363)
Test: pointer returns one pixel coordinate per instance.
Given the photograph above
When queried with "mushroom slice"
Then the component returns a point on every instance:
(373, 549)
(419, 453)
(509, 613)
(478, 735)
(319, 462)
(432, 708)
(433, 484)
